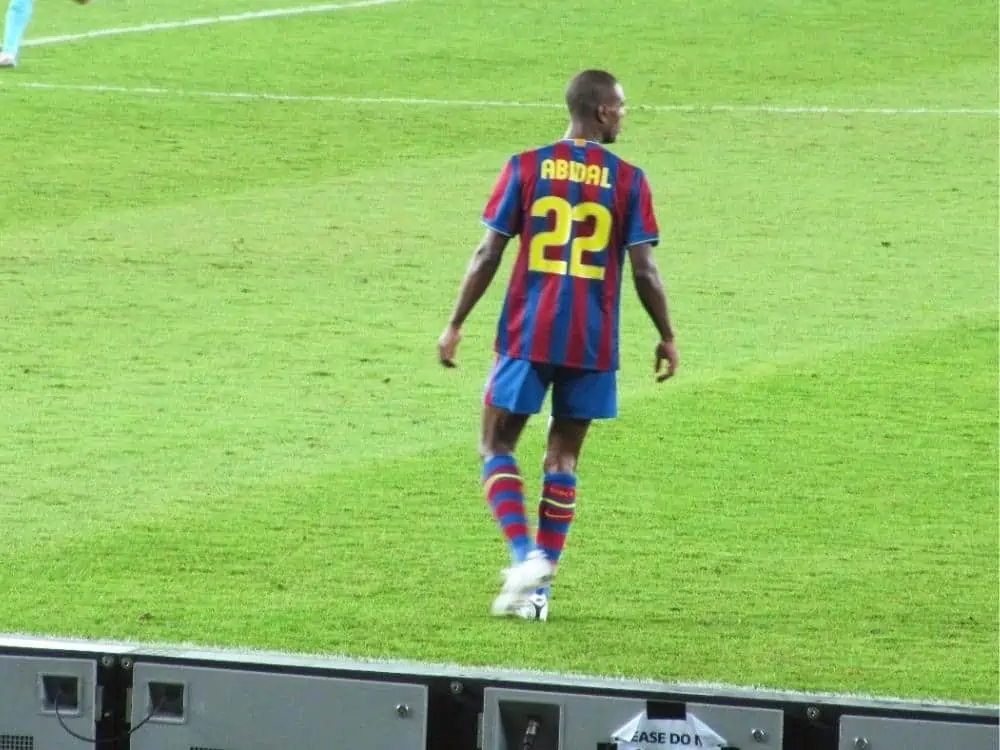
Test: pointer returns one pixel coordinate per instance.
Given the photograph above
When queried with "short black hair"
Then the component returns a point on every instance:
(588, 91)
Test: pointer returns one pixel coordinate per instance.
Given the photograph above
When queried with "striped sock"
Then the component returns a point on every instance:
(555, 514)
(505, 495)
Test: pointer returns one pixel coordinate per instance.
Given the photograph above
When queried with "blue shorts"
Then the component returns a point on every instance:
(519, 386)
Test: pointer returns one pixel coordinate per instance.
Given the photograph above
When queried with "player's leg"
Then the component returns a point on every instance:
(15, 24)
(578, 397)
(514, 391)
(557, 508)
(502, 480)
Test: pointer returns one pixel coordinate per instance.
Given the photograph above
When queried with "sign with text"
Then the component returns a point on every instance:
(645, 733)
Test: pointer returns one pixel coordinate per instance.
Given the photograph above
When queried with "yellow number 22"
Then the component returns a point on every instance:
(565, 215)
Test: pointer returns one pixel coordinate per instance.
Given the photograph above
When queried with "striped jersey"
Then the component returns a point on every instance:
(577, 207)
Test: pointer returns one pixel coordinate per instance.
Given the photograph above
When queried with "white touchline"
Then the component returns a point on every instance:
(487, 103)
(209, 21)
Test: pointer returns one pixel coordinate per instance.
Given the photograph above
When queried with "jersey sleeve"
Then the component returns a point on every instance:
(641, 224)
(503, 210)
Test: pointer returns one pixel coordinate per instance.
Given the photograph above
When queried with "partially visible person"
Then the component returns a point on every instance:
(15, 25)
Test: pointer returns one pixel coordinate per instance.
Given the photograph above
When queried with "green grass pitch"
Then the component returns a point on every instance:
(222, 418)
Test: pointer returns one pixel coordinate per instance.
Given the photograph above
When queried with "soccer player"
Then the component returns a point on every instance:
(578, 209)
(15, 24)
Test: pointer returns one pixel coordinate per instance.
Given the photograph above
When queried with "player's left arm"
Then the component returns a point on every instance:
(642, 235)
(478, 277)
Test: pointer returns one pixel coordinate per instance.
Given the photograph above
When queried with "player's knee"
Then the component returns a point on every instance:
(559, 462)
(490, 448)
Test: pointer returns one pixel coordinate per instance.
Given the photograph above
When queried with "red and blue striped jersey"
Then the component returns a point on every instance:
(577, 208)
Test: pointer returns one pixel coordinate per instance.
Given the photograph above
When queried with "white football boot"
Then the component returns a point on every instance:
(520, 583)
(536, 607)
(7, 61)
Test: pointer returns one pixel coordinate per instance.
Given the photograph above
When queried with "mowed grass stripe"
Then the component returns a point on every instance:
(199, 152)
(930, 56)
(201, 21)
(189, 437)
(850, 503)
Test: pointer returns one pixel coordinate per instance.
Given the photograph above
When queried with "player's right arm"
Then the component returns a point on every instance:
(641, 236)
(502, 218)
(478, 277)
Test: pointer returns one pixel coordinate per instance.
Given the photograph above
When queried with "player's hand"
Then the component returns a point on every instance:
(447, 345)
(667, 360)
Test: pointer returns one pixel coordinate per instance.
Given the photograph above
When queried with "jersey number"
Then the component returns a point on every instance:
(566, 215)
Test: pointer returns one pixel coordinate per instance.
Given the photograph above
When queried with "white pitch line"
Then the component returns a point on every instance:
(487, 103)
(235, 18)
(827, 110)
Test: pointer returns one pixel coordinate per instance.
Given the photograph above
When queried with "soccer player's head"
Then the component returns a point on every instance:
(597, 101)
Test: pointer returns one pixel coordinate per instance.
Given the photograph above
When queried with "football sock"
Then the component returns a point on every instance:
(555, 514)
(18, 15)
(505, 495)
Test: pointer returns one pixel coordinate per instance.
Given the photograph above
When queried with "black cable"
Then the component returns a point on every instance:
(109, 740)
